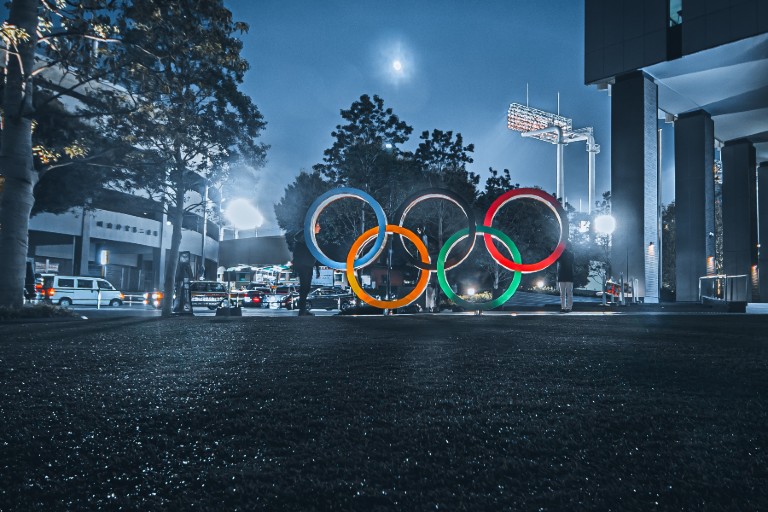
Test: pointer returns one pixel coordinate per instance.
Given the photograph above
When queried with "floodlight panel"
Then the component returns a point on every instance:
(522, 118)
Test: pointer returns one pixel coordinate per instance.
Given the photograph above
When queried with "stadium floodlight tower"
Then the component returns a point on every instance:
(558, 130)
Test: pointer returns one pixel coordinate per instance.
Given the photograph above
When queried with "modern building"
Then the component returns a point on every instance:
(246, 258)
(702, 64)
(124, 237)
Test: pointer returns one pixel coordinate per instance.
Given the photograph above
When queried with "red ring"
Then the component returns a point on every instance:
(538, 195)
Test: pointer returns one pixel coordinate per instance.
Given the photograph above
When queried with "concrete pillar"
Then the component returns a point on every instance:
(739, 207)
(694, 201)
(82, 249)
(159, 259)
(634, 182)
(762, 208)
(560, 185)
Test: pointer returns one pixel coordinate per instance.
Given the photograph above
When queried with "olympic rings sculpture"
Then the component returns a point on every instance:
(378, 234)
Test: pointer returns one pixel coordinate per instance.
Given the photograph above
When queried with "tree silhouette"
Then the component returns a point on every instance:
(66, 34)
(185, 71)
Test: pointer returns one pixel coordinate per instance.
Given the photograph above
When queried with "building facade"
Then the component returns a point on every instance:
(702, 64)
(121, 236)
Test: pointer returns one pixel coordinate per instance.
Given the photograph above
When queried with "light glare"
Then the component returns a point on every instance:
(605, 224)
(243, 215)
(394, 61)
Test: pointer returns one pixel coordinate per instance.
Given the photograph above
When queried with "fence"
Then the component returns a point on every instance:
(732, 291)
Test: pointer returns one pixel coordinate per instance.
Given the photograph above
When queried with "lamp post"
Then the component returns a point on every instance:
(204, 233)
(389, 148)
(605, 225)
(389, 269)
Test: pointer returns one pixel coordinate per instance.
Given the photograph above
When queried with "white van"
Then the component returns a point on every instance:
(81, 291)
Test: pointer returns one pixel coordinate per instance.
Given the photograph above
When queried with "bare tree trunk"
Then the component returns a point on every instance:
(176, 217)
(16, 163)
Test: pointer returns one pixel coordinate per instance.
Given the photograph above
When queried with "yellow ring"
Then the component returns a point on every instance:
(421, 284)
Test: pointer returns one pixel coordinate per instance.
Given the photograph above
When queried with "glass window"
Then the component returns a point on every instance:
(85, 283)
(104, 285)
(675, 12)
(66, 283)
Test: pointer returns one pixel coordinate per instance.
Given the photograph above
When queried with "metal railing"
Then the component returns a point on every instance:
(132, 298)
(724, 288)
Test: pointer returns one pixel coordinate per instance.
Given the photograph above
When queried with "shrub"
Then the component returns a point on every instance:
(36, 311)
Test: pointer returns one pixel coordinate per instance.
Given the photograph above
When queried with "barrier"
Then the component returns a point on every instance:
(729, 291)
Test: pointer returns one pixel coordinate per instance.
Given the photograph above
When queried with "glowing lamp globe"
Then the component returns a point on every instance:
(605, 224)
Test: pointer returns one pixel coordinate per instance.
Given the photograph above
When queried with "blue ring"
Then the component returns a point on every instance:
(324, 200)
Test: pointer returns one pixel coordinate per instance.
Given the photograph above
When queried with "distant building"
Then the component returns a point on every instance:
(704, 66)
(122, 236)
(263, 250)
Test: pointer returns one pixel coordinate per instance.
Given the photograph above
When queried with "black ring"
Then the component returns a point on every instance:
(436, 193)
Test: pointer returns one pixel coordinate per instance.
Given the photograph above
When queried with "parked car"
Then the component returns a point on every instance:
(211, 294)
(67, 291)
(613, 290)
(253, 296)
(282, 297)
(41, 293)
(331, 297)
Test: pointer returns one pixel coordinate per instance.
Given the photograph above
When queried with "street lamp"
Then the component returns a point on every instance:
(389, 148)
(605, 225)
(243, 215)
(205, 229)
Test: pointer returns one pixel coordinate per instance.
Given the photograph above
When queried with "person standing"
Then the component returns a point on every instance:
(565, 279)
(303, 262)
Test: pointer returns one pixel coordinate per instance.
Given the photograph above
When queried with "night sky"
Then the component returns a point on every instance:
(463, 63)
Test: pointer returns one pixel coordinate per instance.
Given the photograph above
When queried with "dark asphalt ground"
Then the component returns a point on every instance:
(424, 412)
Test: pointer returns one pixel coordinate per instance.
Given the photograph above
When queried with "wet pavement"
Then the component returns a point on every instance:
(526, 410)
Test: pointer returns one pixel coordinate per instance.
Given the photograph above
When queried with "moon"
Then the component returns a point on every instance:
(394, 62)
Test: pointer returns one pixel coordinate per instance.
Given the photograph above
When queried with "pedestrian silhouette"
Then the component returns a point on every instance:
(565, 279)
(303, 262)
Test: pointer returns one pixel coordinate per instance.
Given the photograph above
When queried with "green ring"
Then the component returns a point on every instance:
(498, 301)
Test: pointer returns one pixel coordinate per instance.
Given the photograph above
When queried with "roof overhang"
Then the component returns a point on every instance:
(730, 82)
